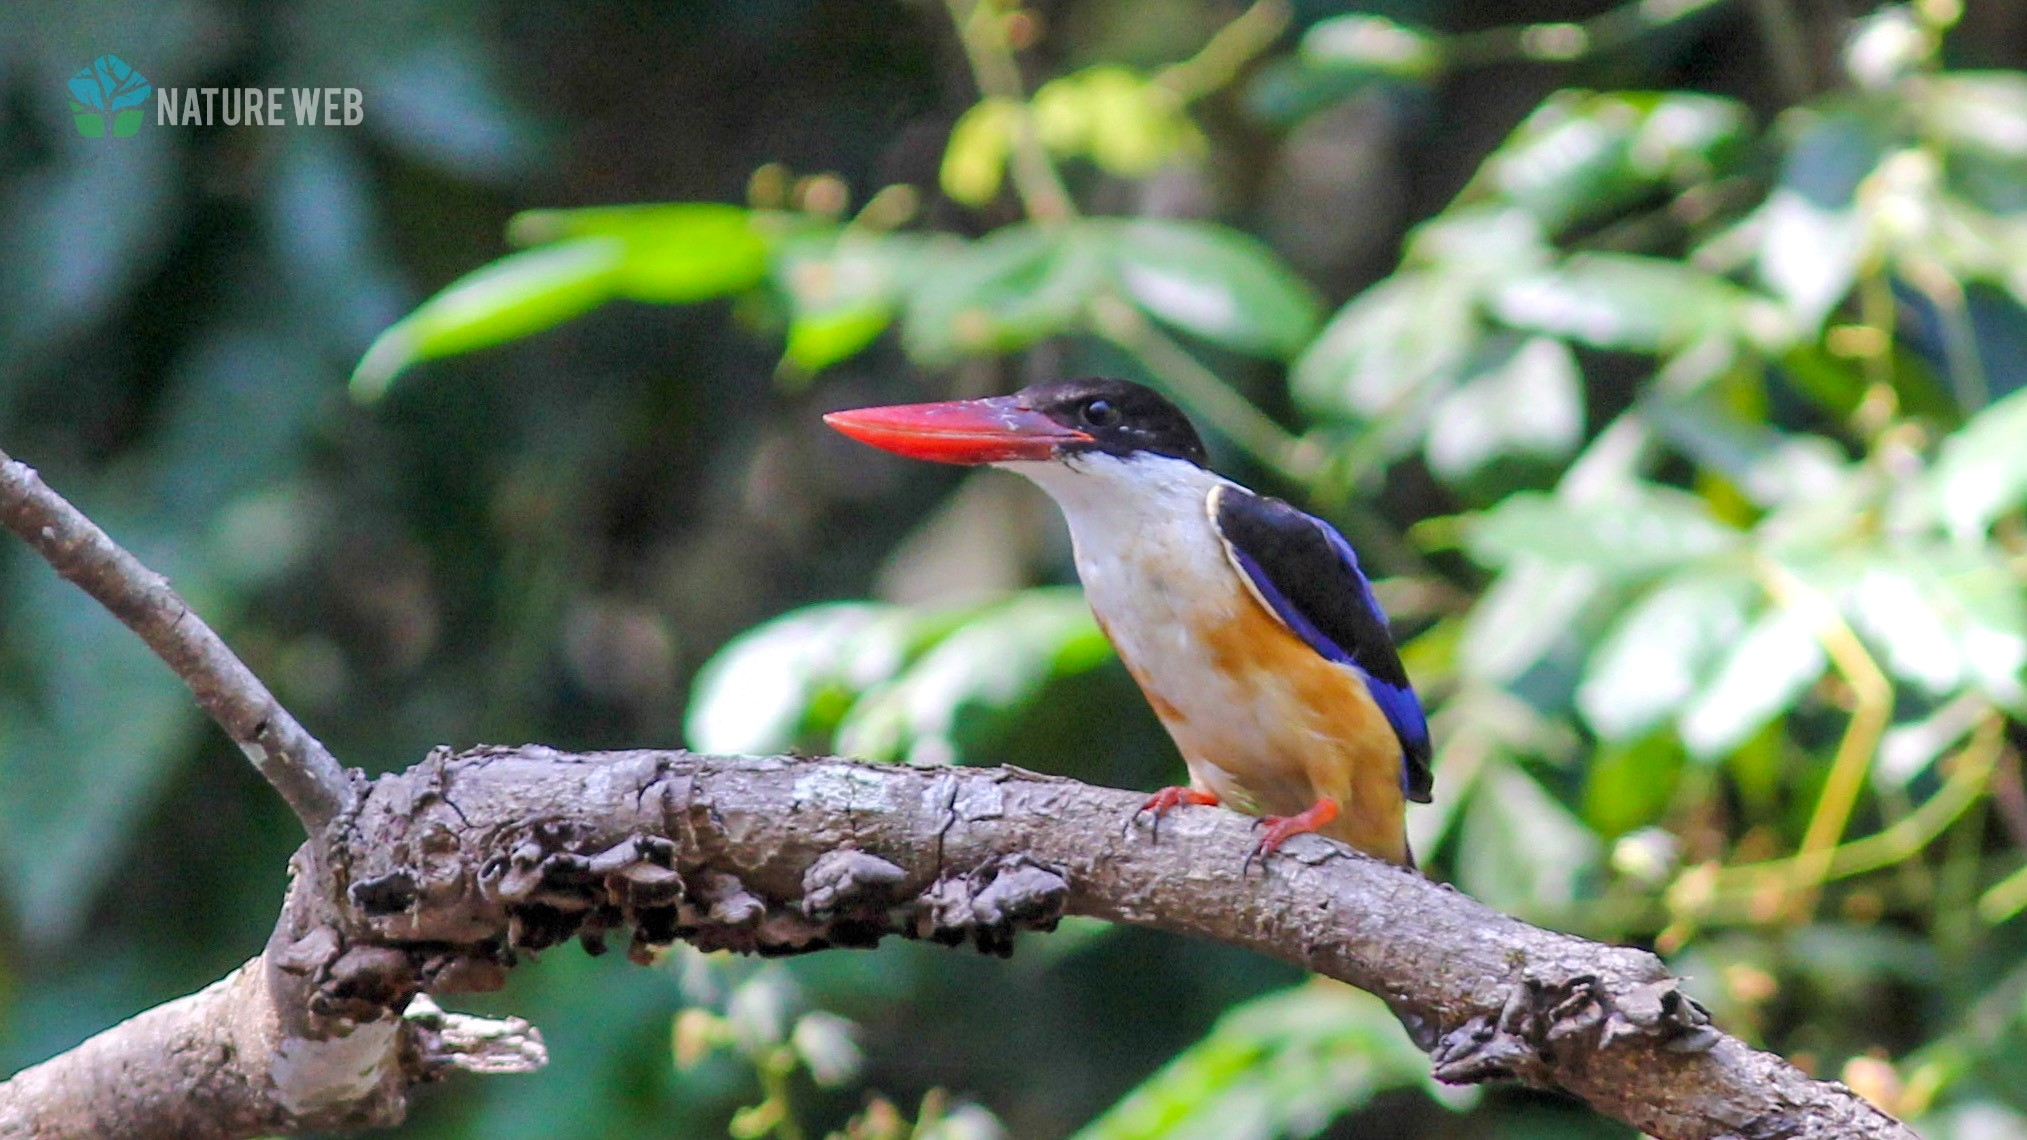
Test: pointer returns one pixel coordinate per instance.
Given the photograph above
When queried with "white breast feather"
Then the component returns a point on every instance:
(1155, 570)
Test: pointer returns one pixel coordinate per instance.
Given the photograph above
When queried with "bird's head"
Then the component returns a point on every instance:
(1061, 422)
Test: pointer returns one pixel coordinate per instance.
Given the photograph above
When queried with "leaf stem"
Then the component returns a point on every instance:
(1218, 62)
(1235, 417)
(1853, 758)
(1563, 42)
(981, 28)
(1969, 772)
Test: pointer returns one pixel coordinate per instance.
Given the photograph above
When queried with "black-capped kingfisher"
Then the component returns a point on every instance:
(1246, 622)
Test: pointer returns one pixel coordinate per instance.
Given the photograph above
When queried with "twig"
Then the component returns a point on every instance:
(307, 776)
(1203, 392)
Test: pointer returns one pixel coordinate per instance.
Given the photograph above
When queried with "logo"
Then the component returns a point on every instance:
(106, 97)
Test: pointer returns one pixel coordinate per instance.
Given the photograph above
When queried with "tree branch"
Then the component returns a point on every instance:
(457, 866)
(298, 766)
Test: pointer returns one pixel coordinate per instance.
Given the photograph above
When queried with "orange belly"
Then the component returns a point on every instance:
(1285, 728)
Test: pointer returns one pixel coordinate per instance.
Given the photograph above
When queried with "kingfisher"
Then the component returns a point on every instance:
(1246, 623)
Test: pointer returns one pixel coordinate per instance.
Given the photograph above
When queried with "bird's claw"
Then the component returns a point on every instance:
(1282, 828)
(1163, 802)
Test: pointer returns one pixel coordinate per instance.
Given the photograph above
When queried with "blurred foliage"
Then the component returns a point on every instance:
(1665, 359)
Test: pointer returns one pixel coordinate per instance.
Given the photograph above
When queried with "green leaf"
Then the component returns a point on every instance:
(1659, 652)
(889, 682)
(1629, 785)
(1403, 340)
(1371, 45)
(1980, 596)
(1286, 1064)
(993, 663)
(763, 691)
(1520, 850)
(1583, 155)
(1982, 472)
(1891, 601)
(519, 294)
(1529, 610)
(1625, 301)
(1216, 283)
(974, 161)
(1977, 110)
(709, 256)
(1017, 285)
(1521, 398)
(1123, 122)
(1650, 530)
(1812, 235)
(844, 289)
(1808, 254)
(675, 252)
(1761, 678)
(1770, 467)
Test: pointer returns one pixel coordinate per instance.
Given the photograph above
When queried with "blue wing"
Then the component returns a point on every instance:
(1309, 576)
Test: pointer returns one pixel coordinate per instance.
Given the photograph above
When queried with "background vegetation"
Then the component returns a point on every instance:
(1664, 360)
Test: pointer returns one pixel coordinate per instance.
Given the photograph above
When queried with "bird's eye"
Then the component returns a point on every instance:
(1100, 413)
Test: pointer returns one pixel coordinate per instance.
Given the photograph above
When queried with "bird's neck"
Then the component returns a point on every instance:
(1109, 500)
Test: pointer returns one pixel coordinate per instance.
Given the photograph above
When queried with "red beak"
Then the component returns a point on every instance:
(959, 431)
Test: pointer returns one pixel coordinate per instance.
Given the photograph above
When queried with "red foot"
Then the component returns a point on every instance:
(1281, 828)
(1167, 800)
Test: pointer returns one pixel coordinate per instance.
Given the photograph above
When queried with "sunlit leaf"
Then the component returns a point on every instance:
(1403, 339)
(1582, 155)
(1284, 1065)
(1011, 288)
(1521, 850)
(1527, 611)
(974, 161)
(1123, 122)
(890, 682)
(1660, 650)
(1625, 301)
(1811, 233)
(675, 252)
(1981, 598)
(844, 290)
(1891, 602)
(755, 695)
(1522, 397)
(1216, 283)
(1768, 466)
(1765, 672)
(1982, 473)
(1809, 253)
(994, 661)
(1370, 44)
(1977, 110)
(519, 294)
(1654, 529)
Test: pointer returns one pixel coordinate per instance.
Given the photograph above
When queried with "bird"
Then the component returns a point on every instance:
(1247, 623)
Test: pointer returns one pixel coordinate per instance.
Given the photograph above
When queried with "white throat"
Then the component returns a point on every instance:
(1145, 500)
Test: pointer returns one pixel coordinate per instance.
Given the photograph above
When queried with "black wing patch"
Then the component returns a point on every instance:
(1309, 576)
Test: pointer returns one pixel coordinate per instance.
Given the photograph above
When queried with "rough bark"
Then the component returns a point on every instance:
(464, 863)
